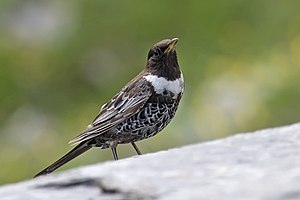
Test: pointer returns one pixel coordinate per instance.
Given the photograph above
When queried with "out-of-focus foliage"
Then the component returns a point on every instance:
(61, 60)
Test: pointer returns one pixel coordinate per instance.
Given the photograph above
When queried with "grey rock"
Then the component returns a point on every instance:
(263, 165)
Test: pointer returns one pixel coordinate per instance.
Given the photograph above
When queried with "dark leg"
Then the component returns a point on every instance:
(136, 148)
(115, 154)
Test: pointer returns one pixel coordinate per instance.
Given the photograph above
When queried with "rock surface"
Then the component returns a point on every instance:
(253, 166)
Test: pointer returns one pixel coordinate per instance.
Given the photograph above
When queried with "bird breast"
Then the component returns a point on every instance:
(161, 84)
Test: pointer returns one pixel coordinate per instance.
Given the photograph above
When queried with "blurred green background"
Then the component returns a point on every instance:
(61, 60)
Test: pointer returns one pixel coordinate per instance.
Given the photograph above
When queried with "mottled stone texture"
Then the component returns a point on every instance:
(263, 165)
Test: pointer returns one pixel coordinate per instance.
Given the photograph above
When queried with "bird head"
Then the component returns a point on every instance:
(162, 57)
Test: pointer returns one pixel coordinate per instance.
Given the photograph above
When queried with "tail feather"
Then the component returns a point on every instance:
(79, 149)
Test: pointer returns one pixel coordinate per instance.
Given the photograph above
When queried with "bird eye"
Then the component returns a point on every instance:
(156, 53)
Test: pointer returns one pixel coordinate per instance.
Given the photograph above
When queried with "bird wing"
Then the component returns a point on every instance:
(122, 106)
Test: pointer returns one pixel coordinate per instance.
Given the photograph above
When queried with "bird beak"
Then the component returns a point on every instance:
(172, 45)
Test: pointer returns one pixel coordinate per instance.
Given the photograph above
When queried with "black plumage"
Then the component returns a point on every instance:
(140, 110)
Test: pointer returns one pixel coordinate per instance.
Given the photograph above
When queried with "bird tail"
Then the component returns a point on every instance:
(78, 149)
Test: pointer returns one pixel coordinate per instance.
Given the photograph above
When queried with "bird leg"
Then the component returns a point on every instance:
(115, 154)
(136, 148)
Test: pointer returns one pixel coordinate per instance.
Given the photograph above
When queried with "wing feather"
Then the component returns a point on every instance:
(122, 106)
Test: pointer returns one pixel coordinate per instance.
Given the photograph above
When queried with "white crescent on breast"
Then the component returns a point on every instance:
(160, 84)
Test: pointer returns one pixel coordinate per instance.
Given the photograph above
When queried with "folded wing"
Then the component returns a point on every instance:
(122, 106)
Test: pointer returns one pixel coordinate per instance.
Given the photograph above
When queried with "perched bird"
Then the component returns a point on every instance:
(140, 110)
